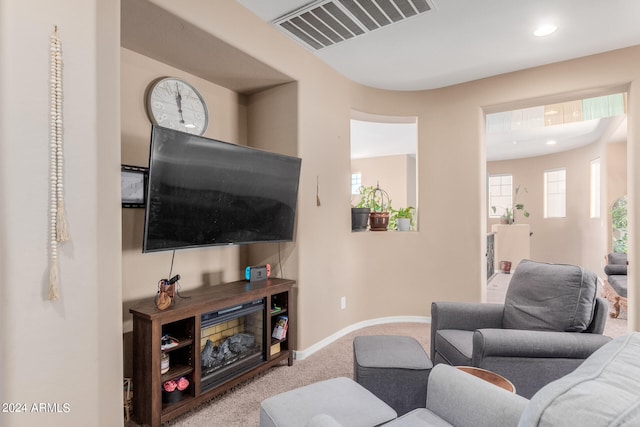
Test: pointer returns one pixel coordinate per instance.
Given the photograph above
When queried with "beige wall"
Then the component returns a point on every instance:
(67, 351)
(394, 174)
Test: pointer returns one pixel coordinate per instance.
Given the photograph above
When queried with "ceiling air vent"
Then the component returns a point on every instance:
(328, 22)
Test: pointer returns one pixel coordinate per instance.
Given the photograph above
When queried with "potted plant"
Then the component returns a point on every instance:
(380, 204)
(360, 212)
(509, 215)
(619, 223)
(402, 219)
(506, 217)
(374, 206)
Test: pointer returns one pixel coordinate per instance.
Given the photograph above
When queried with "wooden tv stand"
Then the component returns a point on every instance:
(182, 320)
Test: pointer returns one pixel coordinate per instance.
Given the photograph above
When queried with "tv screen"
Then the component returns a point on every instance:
(204, 192)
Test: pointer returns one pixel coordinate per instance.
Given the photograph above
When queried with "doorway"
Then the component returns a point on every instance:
(530, 143)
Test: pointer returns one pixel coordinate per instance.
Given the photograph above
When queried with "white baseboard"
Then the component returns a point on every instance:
(303, 354)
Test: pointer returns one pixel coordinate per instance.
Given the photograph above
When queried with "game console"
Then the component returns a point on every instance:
(257, 273)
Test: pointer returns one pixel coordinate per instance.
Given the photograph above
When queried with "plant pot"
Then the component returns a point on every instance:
(505, 266)
(404, 224)
(171, 397)
(359, 219)
(378, 221)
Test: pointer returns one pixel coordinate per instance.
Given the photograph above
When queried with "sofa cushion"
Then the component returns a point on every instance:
(615, 269)
(420, 417)
(603, 391)
(619, 284)
(550, 297)
(323, 420)
(616, 258)
(346, 401)
(454, 346)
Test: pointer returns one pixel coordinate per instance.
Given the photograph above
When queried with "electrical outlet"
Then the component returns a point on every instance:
(343, 303)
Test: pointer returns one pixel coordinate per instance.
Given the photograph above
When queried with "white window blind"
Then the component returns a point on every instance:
(500, 194)
(555, 193)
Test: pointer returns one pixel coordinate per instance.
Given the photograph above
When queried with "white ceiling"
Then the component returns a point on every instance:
(464, 40)
(378, 139)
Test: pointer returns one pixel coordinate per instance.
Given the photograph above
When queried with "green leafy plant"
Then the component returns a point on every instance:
(371, 197)
(509, 213)
(619, 224)
(396, 214)
(406, 212)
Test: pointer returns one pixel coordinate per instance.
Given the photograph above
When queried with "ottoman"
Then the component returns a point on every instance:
(394, 368)
(340, 400)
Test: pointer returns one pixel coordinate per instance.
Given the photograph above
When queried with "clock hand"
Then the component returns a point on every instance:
(179, 102)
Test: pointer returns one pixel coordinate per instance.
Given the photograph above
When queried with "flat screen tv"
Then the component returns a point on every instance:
(204, 192)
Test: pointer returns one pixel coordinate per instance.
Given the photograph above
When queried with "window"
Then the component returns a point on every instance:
(500, 194)
(555, 193)
(384, 153)
(356, 182)
(619, 224)
(595, 189)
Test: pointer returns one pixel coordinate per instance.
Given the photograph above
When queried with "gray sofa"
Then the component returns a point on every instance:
(602, 391)
(550, 322)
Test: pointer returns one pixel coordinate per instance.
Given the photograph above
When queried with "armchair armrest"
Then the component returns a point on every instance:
(532, 359)
(466, 401)
(534, 344)
(600, 314)
(467, 316)
(464, 316)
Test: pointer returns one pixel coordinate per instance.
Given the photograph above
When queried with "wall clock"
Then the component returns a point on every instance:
(175, 104)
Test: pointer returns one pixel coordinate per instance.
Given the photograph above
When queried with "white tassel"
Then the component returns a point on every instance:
(62, 229)
(53, 280)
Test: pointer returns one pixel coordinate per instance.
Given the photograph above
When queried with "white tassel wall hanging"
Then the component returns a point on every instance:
(58, 229)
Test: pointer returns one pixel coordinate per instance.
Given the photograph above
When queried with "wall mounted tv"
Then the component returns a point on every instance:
(204, 192)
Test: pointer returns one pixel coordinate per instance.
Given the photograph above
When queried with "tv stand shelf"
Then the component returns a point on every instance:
(182, 320)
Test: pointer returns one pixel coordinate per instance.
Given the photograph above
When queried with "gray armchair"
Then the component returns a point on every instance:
(550, 323)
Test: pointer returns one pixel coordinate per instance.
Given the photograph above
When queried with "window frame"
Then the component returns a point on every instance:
(563, 186)
(595, 190)
(357, 176)
(498, 213)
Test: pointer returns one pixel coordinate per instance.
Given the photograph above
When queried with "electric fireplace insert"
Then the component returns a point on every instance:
(231, 342)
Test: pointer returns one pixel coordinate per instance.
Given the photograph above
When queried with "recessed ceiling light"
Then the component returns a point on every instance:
(551, 142)
(545, 30)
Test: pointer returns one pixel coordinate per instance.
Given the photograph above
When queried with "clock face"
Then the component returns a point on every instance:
(175, 104)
